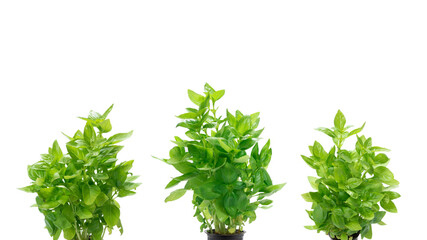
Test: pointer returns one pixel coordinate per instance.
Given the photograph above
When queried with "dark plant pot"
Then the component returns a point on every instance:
(355, 236)
(215, 236)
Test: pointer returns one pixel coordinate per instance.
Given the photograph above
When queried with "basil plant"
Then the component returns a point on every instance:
(77, 189)
(222, 164)
(353, 187)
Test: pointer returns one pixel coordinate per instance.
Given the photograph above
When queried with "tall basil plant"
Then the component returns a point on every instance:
(77, 189)
(222, 164)
(353, 187)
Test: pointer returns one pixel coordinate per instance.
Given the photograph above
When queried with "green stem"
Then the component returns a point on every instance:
(85, 234)
(219, 226)
(75, 223)
(77, 231)
(103, 232)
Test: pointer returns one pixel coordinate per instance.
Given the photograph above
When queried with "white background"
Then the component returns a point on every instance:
(296, 62)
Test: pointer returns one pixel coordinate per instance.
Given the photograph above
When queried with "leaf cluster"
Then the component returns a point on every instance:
(222, 164)
(77, 190)
(353, 187)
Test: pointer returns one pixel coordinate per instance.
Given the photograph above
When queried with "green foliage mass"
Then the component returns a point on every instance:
(352, 185)
(76, 191)
(222, 164)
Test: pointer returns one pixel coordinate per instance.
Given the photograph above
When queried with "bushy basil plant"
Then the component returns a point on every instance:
(222, 164)
(77, 189)
(353, 187)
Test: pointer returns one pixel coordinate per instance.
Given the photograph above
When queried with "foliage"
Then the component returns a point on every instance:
(222, 164)
(76, 191)
(350, 188)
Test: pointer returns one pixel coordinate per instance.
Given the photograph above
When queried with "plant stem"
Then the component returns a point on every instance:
(85, 234)
(75, 223)
(103, 233)
(77, 231)
(219, 226)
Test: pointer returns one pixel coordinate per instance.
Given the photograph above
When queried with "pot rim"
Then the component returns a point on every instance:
(218, 234)
(356, 235)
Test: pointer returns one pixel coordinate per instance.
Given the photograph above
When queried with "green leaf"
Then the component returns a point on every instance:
(312, 181)
(311, 227)
(84, 213)
(242, 159)
(69, 233)
(205, 103)
(120, 137)
(354, 182)
(378, 217)
(111, 214)
(385, 176)
(319, 215)
(105, 126)
(389, 206)
(56, 151)
(227, 174)
(101, 176)
(243, 201)
(208, 88)
(74, 151)
(125, 193)
(318, 150)
(357, 130)
(96, 228)
(266, 202)
(339, 121)
(230, 204)
(309, 161)
(90, 193)
(307, 197)
(219, 143)
(338, 218)
(29, 189)
(195, 98)
(207, 192)
(392, 195)
(353, 226)
(231, 119)
(68, 213)
(270, 190)
(101, 199)
(366, 231)
(89, 134)
(326, 131)
(218, 94)
(61, 222)
(220, 211)
(175, 195)
(175, 155)
(340, 172)
(349, 213)
(181, 178)
(246, 144)
(189, 115)
(184, 167)
(244, 124)
(379, 149)
(193, 135)
(105, 115)
(366, 213)
(381, 158)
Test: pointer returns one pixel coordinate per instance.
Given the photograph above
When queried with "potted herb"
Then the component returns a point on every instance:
(353, 185)
(222, 165)
(77, 190)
